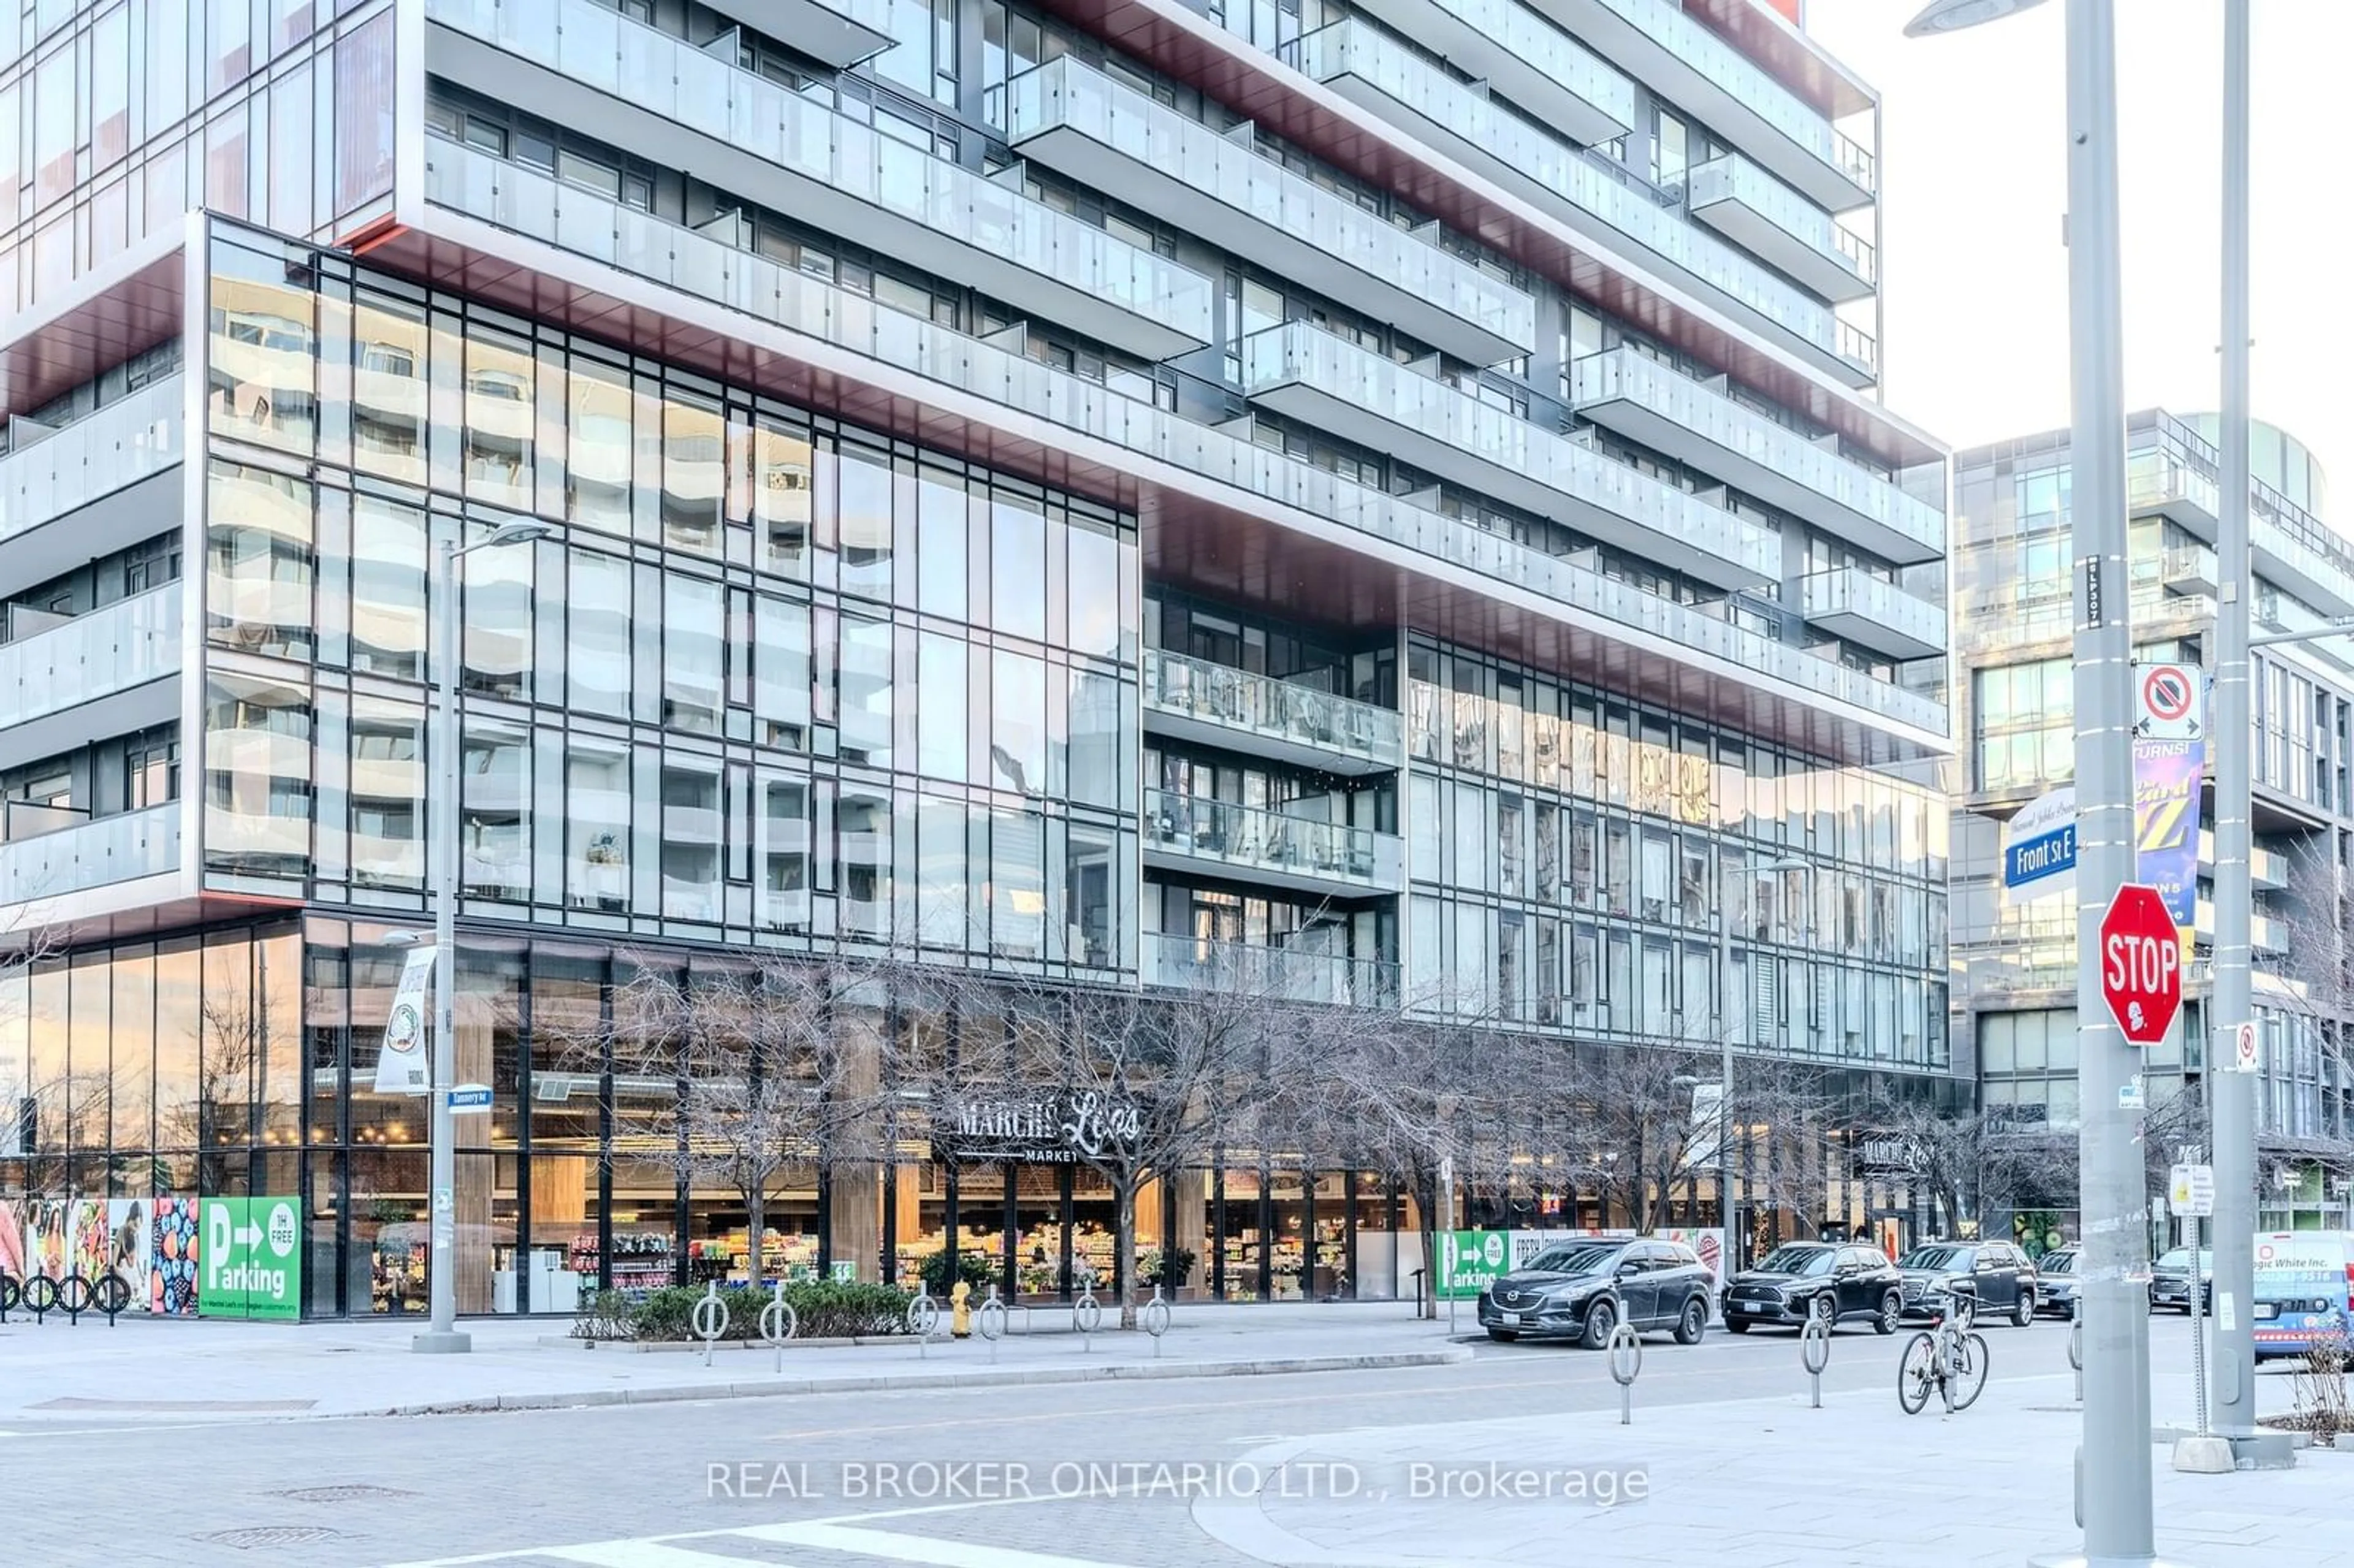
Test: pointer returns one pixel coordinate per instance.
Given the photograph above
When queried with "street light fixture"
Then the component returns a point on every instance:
(2113, 1464)
(441, 1336)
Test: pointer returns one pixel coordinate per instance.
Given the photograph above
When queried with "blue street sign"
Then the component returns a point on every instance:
(2047, 854)
(469, 1097)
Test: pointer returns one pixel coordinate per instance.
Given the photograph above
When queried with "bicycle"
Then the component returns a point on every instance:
(1946, 1356)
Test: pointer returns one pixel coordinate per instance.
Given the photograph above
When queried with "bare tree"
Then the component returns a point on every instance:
(768, 1068)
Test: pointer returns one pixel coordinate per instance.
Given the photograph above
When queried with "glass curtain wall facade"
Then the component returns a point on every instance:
(1013, 507)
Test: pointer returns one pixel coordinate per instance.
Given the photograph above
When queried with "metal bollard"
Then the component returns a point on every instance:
(710, 1319)
(923, 1321)
(1814, 1348)
(1156, 1320)
(2077, 1346)
(990, 1321)
(1086, 1317)
(1626, 1366)
(778, 1323)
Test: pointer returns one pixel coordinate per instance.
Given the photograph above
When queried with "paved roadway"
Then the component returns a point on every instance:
(535, 1489)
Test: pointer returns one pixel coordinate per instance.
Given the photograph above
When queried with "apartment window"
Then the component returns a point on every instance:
(151, 774)
(1671, 143)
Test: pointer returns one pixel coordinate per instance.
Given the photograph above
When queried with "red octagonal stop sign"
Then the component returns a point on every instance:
(2141, 964)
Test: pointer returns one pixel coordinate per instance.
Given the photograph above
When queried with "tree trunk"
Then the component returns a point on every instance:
(755, 1225)
(1124, 1249)
(1426, 1190)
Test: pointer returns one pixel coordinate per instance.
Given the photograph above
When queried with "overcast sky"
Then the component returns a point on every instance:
(1976, 343)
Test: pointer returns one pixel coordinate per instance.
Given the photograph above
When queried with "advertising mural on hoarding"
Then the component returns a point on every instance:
(172, 1269)
(2165, 821)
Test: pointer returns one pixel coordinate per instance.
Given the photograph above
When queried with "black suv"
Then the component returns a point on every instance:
(1832, 1281)
(1997, 1273)
(2169, 1280)
(1584, 1289)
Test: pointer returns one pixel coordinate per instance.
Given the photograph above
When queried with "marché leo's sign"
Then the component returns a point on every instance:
(1055, 1127)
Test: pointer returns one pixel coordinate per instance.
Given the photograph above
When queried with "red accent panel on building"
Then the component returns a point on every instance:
(1772, 33)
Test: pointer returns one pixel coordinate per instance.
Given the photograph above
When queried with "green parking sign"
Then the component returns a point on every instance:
(1471, 1261)
(249, 1258)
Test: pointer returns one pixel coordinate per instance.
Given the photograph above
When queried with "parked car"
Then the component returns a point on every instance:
(2170, 1281)
(2055, 1275)
(1584, 1289)
(1834, 1281)
(1997, 1273)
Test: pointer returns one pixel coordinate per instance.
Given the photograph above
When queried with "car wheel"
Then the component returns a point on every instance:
(1600, 1319)
(1891, 1313)
(1824, 1310)
(1693, 1324)
(2023, 1312)
(1738, 1325)
(1503, 1335)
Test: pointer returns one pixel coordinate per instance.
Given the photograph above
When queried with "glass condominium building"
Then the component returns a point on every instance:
(2015, 950)
(1392, 494)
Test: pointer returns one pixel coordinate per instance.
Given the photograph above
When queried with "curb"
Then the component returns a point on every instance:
(976, 1378)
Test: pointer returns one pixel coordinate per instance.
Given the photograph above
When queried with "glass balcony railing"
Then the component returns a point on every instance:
(2266, 867)
(1297, 353)
(1278, 710)
(126, 644)
(1276, 974)
(1666, 24)
(1845, 485)
(1732, 177)
(94, 853)
(115, 447)
(1589, 184)
(1065, 95)
(1547, 50)
(523, 201)
(1912, 625)
(650, 70)
(1249, 840)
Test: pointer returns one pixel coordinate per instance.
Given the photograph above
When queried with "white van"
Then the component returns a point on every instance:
(2304, 1289)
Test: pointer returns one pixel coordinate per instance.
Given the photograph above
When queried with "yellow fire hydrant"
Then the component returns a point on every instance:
(960, 1318)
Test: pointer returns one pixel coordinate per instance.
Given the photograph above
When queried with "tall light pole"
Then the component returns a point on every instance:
(2231, 1391)
(2114, 1462)
(441, 1336)
(1724, 1064)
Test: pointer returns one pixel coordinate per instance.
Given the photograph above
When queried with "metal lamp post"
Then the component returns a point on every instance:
(2114, 1487)
(441, 1336)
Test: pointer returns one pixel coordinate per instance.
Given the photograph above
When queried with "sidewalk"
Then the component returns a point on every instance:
(143, 1369)
(1770, 1481)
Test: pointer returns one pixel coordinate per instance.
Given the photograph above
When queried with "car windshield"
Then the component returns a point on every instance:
(1936, 1257)
(2179, 1257)
(1797, 1260)
(1587, 1259)
(2057, 1263)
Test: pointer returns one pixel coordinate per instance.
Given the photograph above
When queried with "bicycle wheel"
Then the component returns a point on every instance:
(1916, 1371)
(1969, 1374)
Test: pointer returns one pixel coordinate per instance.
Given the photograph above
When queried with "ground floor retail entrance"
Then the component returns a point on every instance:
(171, 1080)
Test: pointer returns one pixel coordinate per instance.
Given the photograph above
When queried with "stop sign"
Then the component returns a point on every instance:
(2141, 964)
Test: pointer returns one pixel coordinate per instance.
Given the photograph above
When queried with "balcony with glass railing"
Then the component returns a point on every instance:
(1659, 407)
(100, 455)
(841, 33)
(1585, 191)
(128, 643)
(1521, 56)
(92, 852)
(2174, 471)
(1871, 612)
(1768, 219)
(1275, 974)
(471, 183)
(1220, 706)
(1218, 838)
(1309, 375)
(1701, 72)
(762, 143)
(2267, 868)
(1075, 119)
